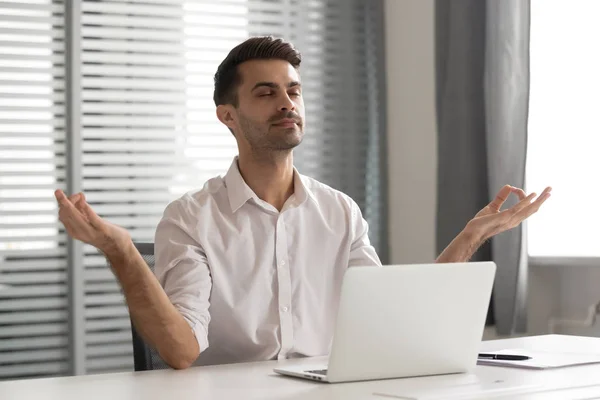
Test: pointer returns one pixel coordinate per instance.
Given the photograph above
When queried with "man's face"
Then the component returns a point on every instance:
(270, 112)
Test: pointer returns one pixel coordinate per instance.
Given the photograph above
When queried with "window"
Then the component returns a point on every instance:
(564, 129)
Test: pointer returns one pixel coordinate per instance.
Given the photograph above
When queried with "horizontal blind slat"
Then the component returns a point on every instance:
(124, 363)
(15, 5)
(171, 10)
(35, 356)
(27, 277)
(33, 291)
(33, 343)
(106, 312)
(170, 85)
(99, 33)
(106, 57)
(132, 21)
(113, 337)
(210, 133)
(32, 304)
(106, 98)
(43, 87)
(41, 18)
(133, 71)
(133, 46)
(20, 46)
(33, 330)
(32, 369)
(107, 325)
(113, 350)
(33, 316)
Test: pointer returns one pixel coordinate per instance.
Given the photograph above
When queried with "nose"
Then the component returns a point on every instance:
(286, 104)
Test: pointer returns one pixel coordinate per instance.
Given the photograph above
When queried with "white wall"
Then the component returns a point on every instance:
(412, 144)
(564, 292)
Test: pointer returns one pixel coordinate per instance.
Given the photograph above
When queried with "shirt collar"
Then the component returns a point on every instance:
(237, 189)
(301, 189)
(239, 192)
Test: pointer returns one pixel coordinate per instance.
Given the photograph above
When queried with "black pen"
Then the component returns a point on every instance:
(507, 357)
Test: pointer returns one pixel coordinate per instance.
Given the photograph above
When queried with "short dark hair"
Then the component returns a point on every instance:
(228, 79)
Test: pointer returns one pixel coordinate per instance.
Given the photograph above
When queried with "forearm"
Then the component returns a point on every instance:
(155, 318)
(462, 248)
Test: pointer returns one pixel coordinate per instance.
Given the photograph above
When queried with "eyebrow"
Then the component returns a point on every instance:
(273, 85)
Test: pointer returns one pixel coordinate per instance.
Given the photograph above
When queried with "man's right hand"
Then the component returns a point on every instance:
(82, 223)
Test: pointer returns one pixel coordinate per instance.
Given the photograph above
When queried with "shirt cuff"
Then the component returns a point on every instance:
(200, 333)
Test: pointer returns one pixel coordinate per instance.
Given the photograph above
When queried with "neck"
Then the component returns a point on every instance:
(271, 178)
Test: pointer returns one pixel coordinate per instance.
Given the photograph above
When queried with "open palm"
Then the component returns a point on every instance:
(82, 223)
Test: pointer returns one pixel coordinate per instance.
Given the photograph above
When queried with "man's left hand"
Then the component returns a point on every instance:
(491, 221)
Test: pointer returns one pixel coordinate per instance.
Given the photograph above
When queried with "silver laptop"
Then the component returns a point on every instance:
(406, 320)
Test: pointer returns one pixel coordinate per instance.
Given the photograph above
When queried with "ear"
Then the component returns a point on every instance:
(225, 115)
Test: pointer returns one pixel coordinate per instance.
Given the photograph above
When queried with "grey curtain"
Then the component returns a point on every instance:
(482, 86)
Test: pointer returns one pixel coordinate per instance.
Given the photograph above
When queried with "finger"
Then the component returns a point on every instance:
(80, 203)
(532, 208)
(542, 198)
(501, 197)
(80, 232)
(69, 214)
(70, 217)
(65, 205)
(61, 198)
(76, 225)
(90, 214)
(521, 204)
(519, 192)
(75, 198)
(86, 211)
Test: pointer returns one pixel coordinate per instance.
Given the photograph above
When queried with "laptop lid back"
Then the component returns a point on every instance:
(410, 320)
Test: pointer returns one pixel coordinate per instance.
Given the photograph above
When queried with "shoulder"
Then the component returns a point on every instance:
(327, 197)
(196, 202)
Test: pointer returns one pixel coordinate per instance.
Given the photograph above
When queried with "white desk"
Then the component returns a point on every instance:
(257, 381)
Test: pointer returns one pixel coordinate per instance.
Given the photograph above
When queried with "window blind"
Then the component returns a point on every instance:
(149, 132)
(33, 303)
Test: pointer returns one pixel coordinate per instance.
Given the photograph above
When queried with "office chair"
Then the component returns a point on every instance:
(145, 358)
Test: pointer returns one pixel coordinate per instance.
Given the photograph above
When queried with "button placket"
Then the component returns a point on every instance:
(285, 289)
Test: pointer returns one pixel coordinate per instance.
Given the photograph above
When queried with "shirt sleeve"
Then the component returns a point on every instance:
(182, 269)
(362, 254)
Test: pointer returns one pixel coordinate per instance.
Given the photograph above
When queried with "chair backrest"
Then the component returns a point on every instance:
(145, 358)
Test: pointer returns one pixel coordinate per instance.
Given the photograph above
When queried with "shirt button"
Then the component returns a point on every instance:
(282, 263)
(284, 309)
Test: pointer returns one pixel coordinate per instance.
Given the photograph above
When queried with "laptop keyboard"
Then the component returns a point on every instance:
(318, 372)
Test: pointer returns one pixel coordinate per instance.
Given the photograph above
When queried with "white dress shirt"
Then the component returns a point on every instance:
(254, 283)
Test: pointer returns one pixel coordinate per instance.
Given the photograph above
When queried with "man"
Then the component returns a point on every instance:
(261, 251)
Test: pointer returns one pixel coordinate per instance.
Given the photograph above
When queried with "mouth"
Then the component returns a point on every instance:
(286, 123)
